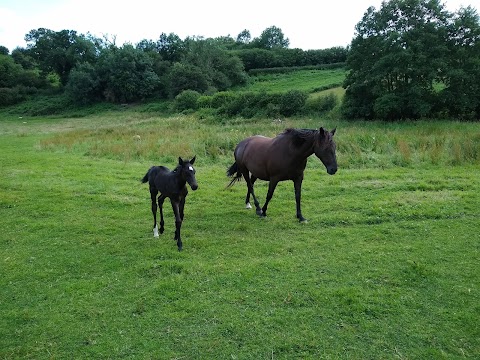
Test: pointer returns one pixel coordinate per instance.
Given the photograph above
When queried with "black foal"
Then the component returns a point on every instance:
(171, 184)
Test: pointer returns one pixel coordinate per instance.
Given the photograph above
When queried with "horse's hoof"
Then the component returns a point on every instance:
(248, 206)
(303, 221)
(155, 232)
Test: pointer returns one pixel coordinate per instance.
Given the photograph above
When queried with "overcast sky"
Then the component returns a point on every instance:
(308, 24)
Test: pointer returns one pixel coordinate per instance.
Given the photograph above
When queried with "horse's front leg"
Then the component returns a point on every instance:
(153, 196)
(297, 183)
(178, 222)
(161, 199)
(271, 189)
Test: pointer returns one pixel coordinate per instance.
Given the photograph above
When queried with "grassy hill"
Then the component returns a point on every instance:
(306, 80)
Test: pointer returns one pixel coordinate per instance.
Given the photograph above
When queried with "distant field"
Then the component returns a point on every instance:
(386, 267)
(305, 80)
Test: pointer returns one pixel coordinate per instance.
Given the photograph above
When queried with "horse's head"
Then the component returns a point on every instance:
(188, 172)
(325, 149)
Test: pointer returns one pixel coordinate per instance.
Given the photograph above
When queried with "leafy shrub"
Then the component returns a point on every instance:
(187, 100)
(292, 102)
(222, 98)
(83, 85)
(10, 96)
(187, 77)
(321, 104)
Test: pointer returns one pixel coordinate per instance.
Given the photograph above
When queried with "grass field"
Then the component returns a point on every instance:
(387, 266)
(304, 80)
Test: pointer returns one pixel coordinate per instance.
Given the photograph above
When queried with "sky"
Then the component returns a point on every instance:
(308, 24)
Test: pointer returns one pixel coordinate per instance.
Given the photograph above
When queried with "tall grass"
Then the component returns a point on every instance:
(358, 144)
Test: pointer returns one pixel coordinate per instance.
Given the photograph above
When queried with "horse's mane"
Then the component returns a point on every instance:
(299, 136)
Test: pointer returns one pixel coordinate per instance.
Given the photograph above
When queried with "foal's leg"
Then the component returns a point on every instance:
(246, 176)
(178, 222)
(247, 199)
(153, 196)
(182, 208)
(161, 199)
(271, 188)
(297, 183)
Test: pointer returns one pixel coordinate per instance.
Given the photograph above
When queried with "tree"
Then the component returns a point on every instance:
(83, 85)
(221, 68)
(184, 76)
(244, 37)
(461, 96)
(125, 74)
(60, 51)
(397, 56)
(171, 47)
(271, 38)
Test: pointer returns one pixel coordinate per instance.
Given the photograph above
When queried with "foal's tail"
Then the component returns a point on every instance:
(147, 175)
(234, 173)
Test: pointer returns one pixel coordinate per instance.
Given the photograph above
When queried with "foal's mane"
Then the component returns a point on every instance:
(299, 136)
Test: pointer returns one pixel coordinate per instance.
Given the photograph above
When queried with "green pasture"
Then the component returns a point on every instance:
(387, 266)
(303, 80)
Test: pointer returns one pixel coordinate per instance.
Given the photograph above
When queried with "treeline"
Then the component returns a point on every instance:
(414, 59)
(88, 69)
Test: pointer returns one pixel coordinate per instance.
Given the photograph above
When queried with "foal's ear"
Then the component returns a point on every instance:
(333, 131)
(180, 161)
(322, 131)
(193, 160)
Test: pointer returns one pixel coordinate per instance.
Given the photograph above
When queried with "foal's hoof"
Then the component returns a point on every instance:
(303, 221)
(248, 206)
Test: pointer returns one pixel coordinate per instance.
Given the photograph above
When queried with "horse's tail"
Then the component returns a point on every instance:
(147, 175)
(235, 173)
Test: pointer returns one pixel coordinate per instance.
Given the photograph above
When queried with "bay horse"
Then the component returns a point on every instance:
(171, 184)
(283, 157)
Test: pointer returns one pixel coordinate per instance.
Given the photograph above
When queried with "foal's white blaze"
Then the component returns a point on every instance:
(155, 231)
(190, 168)
(248, 206)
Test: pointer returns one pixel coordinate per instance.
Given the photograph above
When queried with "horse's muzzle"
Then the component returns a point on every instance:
(194, 186)
(331, 171)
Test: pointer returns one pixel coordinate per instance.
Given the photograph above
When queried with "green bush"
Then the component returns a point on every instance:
(10, 96)
(187, 100)
(83, 85)
(321, 104)
(292, 102)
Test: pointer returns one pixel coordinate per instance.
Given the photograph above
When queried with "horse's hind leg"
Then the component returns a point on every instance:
(246, 176)
(247, 199)
(153, 196)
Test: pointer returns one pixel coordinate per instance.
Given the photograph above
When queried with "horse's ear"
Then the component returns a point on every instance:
(180, 161)
(193, 160)
(322, 131)
(333, 131)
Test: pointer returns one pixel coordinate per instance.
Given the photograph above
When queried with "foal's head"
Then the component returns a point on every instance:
(325, 149)
(187, 172)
